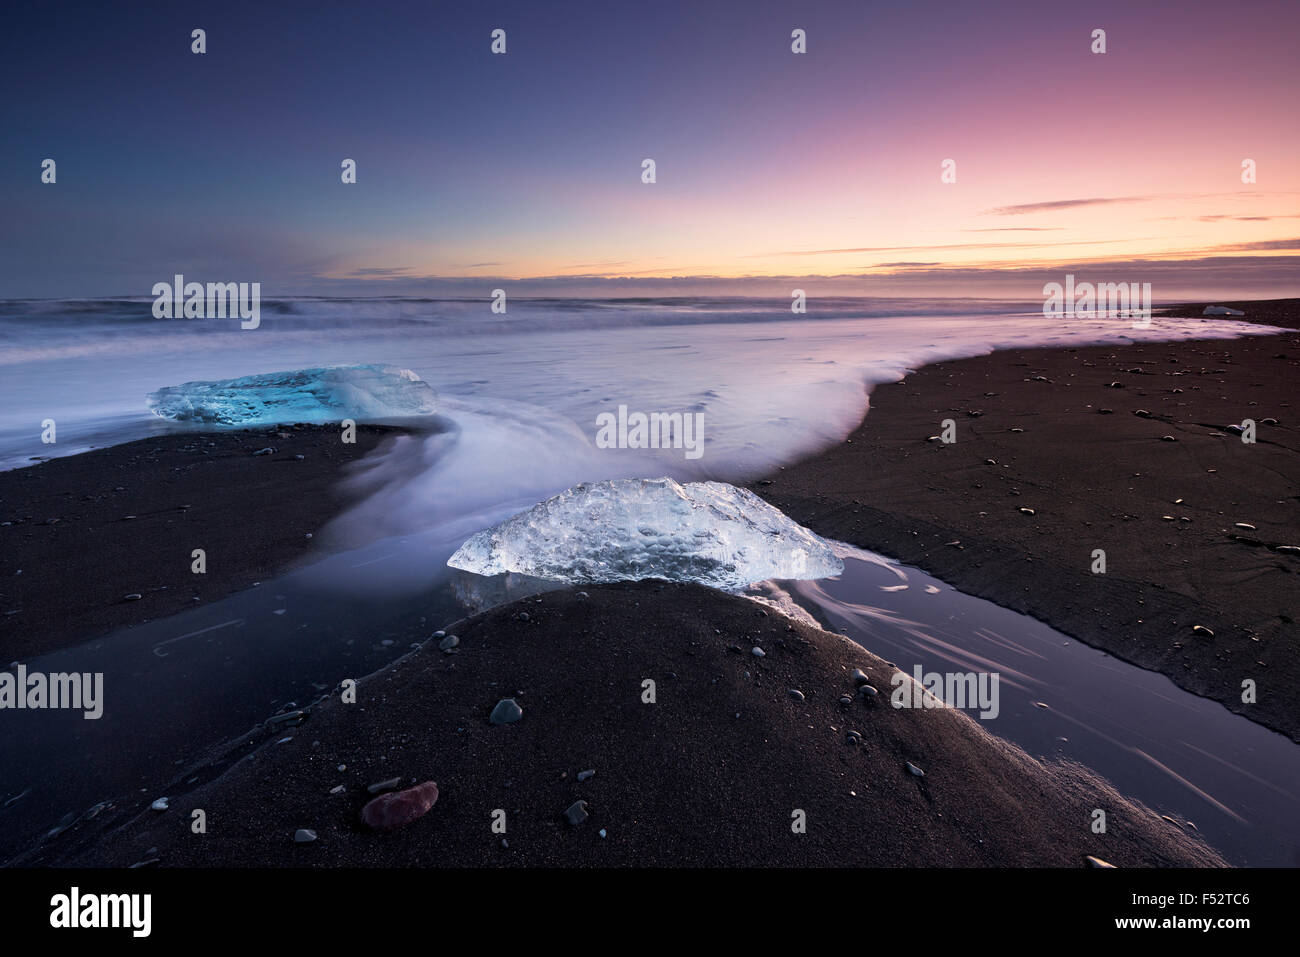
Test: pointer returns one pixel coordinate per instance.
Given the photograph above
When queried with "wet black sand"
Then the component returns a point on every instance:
(81, 533)
(714, 772)
(1032, 434)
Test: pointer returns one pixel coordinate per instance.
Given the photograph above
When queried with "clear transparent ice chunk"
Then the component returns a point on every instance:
(629, 529)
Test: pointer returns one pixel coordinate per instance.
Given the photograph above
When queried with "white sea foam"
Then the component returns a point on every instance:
(519, 394)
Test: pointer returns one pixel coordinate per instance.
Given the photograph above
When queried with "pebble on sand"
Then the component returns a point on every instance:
(860, 677)
(159, 805)
(576, 813)
(304, 835)
(1098, 862)
(390, 784)
(449, 642)
(507, 711)
(914, 770)
(1202, 630)
(796, 694)
(389, 811)
(586, 775)
(758, 652)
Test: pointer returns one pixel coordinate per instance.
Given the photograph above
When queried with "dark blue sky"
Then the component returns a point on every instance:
(226, 165)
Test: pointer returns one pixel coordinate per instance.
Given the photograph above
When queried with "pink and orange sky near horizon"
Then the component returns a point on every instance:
(769, 164)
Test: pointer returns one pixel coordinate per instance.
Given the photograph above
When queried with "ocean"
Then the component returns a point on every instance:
(521, 392)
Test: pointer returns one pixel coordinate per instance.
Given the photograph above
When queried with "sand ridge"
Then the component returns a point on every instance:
(712, 773)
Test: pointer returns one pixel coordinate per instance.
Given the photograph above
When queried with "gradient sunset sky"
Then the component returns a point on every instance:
(475, 168)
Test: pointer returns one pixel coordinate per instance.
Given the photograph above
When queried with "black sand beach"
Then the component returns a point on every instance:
(1077, 436)
(79, 534)
(711, 773)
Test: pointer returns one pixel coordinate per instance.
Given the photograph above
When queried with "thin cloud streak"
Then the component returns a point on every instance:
(1024, 208)
(899, 249)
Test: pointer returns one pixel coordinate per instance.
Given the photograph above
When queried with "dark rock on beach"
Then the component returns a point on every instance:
(399, 808)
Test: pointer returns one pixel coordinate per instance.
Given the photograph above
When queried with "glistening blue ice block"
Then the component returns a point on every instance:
(300, 395)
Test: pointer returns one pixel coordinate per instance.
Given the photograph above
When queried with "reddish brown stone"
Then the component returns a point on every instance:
(389, 811)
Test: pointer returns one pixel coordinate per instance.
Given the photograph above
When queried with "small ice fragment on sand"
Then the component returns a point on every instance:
(1221, 311)
(576, 813)
(507, 711)
(391, 784)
